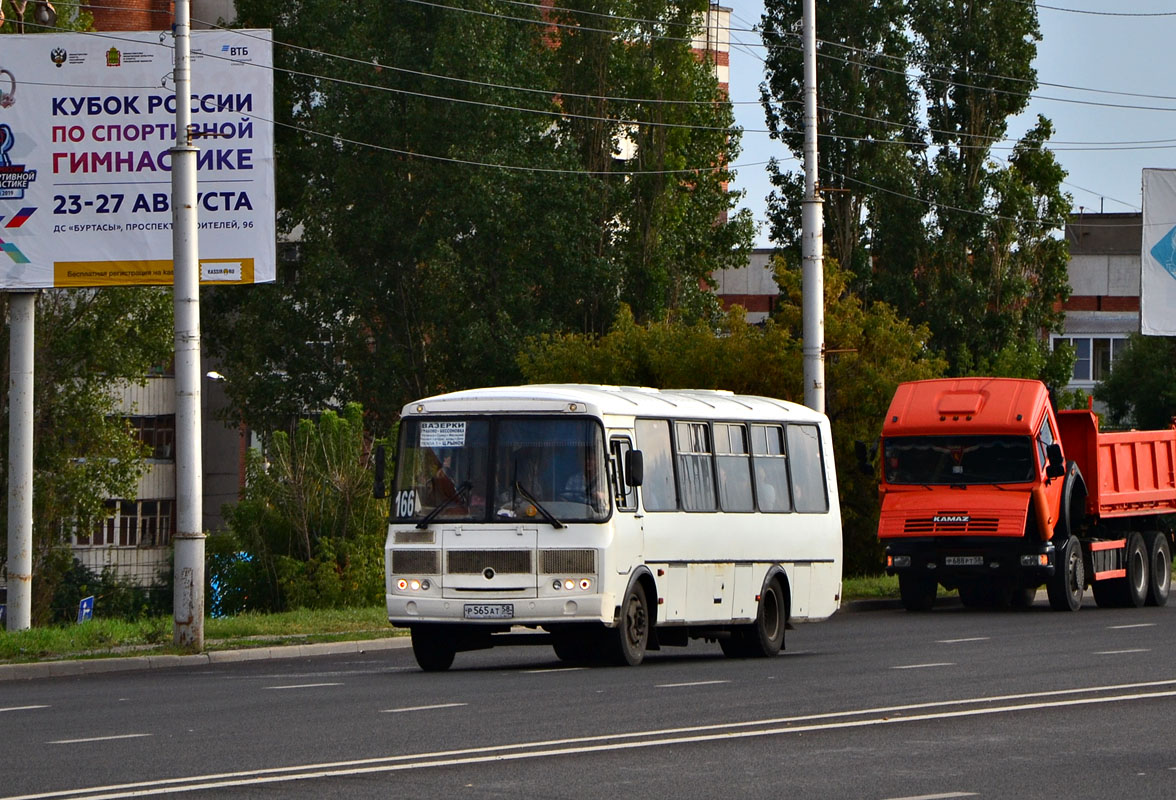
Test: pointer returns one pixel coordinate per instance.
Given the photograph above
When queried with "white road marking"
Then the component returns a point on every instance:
(1121, 652)
(618, 741)
(21, 708)
(101, 738)
(304, 686)
(692, 683)
(944, 796)
(551, 669)
(957, 641)
(925, 666)
(422, 708)
(1136, 625)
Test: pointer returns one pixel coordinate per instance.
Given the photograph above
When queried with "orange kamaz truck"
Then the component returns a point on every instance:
(988, 491)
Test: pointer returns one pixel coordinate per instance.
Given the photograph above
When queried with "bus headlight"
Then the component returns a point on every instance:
(402, 584)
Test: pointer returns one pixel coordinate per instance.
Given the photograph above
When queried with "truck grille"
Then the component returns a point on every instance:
(475, 562)
(416, 562)
(564, 562)
(962, 524)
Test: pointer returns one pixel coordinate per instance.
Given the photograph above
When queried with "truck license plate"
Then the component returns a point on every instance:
(964, 561)
(489, 611)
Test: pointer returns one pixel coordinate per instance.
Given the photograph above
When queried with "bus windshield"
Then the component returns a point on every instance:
(486, 469)
(958, 459)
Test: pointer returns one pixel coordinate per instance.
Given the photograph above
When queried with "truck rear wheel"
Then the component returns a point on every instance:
(1138, 569)
(917, 591)
(1159, 568)
(1066, 585)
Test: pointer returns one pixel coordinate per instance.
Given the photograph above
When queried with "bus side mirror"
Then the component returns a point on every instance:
(634, 468)
(378, 487)
(1056, 467)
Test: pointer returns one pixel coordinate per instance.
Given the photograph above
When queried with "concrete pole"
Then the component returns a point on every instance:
(189, 541)
(21, 310)
(812, 222)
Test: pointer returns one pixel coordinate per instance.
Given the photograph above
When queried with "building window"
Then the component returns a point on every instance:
(132, 523)
(158, 433)
(1095, 355)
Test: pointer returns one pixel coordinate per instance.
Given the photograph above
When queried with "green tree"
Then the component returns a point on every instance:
(951, 237)
(420, 268)
(88, 342)
(872, 350)
(1140, 392)
(307, 533)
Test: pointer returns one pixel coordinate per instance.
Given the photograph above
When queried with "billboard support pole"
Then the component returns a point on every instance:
(189, 541)
(21, 309)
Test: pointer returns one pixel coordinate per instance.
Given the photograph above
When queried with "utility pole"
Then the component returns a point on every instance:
(812, 221)
(189, 541)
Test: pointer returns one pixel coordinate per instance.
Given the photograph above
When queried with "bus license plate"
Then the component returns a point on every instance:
(964, 561)
(489, 611)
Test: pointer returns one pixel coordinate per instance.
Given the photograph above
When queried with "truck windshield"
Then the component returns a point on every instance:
(958, 459)
(482, 469)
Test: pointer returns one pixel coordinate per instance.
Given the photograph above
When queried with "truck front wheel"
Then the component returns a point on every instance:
(917, 591)
(1066, 585)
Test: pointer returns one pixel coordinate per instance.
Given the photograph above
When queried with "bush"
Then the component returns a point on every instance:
(114, 597)
(307, 533)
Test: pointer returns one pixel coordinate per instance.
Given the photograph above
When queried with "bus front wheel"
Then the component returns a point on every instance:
(627, 641)
(433, 648)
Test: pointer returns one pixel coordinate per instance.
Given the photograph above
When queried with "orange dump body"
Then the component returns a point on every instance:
(1127, 473)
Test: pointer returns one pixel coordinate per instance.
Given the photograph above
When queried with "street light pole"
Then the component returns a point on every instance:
(812, 220)
(189, 541)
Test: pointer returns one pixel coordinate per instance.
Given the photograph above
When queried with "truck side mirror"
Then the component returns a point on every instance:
(862, 451)
(634, 468)
(1056, 467)
(378, 491)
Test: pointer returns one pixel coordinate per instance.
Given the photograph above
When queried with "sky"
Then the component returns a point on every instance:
(1132, 54)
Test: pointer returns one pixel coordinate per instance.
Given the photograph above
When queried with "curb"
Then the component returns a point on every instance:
(95, 666)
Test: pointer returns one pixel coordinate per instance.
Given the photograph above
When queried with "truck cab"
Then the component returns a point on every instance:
(973, 478)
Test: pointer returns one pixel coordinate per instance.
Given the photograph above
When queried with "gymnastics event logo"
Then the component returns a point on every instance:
(14, 178)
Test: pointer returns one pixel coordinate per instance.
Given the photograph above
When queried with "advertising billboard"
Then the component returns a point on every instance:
(87, 121)
(1157, 280)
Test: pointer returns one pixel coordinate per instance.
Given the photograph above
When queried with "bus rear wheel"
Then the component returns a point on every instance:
(627, 641)
(433, 648)
(765, 637)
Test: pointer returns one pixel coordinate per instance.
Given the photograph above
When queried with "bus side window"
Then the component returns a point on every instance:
(808, 468)
(658, 491)
(771, 468)
(624, 495)
(696, 477)
(734, 467)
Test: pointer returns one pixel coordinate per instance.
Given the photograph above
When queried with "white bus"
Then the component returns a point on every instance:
(613, 519)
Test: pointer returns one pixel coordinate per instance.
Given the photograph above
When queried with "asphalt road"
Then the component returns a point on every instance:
(879, 705)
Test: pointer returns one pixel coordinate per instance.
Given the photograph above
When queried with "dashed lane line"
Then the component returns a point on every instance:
(102, 738)
(304, 686)
(422, 708)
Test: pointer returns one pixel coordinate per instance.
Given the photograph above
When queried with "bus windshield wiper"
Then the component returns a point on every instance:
(547, 515)
(446, 503)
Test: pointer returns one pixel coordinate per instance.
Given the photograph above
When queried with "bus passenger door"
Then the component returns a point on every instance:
(628, 546)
